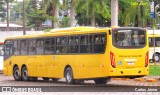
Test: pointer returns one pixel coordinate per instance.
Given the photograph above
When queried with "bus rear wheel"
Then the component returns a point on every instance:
(69, 75)
(16, 74)
(25, 74)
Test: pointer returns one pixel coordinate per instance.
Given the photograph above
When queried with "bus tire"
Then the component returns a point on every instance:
(16, 74)
(69, 75)
(100, 81)
(25, 74)
(156, 58)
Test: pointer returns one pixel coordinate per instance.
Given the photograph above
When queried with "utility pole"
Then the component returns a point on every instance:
(114, 12)
(24, 18)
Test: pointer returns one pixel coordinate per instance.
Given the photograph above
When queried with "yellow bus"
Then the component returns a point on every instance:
(78, 53)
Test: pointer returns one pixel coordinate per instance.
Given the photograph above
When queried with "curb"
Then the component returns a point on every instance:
(121, 79)
(151, 80)
(139, 79)
(116, 78)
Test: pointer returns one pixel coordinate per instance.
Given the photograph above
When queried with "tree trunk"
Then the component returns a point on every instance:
(114, 12)
(56, 15)
(72, 14)
(93, 19)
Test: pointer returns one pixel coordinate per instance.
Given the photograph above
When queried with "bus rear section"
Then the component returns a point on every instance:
(129, 52)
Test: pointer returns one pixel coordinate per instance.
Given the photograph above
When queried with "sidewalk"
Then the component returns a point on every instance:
(144, 81)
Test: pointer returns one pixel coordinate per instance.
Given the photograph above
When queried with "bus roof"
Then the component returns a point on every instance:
(69, 31)
(63, 31)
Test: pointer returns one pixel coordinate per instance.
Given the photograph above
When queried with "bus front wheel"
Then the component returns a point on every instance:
(69, 75)
(16, 74)
(25, 74)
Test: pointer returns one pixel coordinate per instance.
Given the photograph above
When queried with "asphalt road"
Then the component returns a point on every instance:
(7, 83)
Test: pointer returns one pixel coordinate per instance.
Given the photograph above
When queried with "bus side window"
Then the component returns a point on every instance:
(8, 48)
(47, 46)
(84, 47)
(53, 43)
(32, 48)
(40, 46)
(84, 39)
(73, 44)
(99, 43)
(24, 47)
(17, 47)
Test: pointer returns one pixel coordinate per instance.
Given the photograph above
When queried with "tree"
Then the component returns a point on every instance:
(138, 13)
(93, 7)
(53, 10)
(35, 15)
(72, 13)
(2, 10)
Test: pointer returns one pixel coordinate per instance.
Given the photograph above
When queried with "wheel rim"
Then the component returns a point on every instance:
(69, 76)
(156, 58)
(25, 74)
(16, 74)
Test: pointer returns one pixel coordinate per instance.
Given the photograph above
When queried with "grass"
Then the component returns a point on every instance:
(154, 70)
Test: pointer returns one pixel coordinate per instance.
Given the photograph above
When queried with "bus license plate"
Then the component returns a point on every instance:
(130, 63)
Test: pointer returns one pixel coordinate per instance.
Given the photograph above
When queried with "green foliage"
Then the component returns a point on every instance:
(137, 13)
(35, 16)
(91, 8)
(154, 70)
(131, 12)
(2, 10)
(64, 22)
(47, 30)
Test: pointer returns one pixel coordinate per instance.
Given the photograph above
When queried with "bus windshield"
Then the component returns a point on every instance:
(133, 38)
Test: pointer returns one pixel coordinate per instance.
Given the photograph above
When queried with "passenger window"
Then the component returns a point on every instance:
(73, 40)
(99, 43)
(17, 47)
(24, 47)
(62, 41)
(84, 39)
(8, 48)
(61, 44)
(73, 44)
(40, 46)
(32, 46)
(84, 46)
(47, 45)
